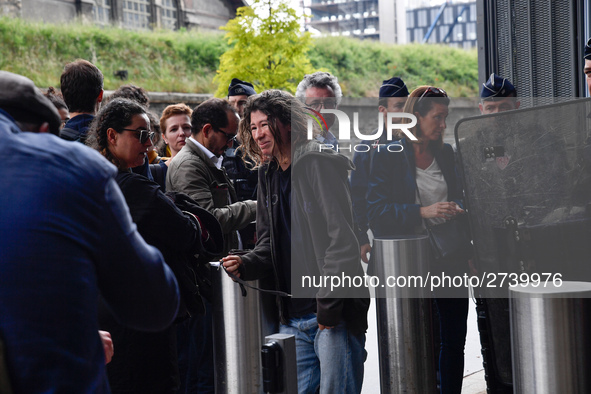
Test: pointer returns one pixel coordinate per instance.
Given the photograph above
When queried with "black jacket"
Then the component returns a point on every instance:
(323, 240)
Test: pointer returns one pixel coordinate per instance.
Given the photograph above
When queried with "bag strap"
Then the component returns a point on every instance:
(243, 283)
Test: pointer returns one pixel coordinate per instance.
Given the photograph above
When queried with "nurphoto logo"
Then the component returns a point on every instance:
(344, 133)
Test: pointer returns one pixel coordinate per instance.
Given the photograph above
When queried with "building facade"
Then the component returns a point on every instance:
(453, 24)
(365, 19)
(206, 15)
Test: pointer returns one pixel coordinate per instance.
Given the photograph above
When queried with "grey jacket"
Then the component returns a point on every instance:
(323, 240)
(193, 173)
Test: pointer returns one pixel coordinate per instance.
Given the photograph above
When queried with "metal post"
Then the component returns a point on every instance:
(403, 316)
(240, 325)
(550, 341)
(288, 371)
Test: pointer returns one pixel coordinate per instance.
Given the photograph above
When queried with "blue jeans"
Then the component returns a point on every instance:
(329, 360)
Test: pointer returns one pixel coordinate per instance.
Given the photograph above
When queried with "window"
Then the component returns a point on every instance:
(448, 16)
(419, 34)
(102, 12)
(458, 33)
(169, 14)
(136, 14)
(443, 32)
(410, 20)
(433, 37)
(471, 31)
(434, 12)
(473, 13)
(422, 18)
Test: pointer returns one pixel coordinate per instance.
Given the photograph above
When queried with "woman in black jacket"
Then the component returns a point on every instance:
(147, 362)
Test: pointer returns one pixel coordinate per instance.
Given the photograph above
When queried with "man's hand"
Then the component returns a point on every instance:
(323, 327)
(107, 345)
(232, 263)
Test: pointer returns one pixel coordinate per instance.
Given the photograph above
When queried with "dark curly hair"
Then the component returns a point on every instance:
(280, 107)
(131, 92)
(117, 114)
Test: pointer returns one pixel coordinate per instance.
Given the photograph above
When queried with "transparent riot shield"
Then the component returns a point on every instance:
(527, 181)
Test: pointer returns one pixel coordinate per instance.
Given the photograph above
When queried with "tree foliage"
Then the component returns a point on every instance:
(266, 48)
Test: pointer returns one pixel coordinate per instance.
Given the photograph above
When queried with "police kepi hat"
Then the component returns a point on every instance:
(588, 50)
(238, 88)
(394, 87)
(497, 87)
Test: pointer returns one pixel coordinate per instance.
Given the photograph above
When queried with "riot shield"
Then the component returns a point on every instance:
(527, 182)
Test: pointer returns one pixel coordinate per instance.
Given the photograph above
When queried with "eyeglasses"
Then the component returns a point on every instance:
(432, 92)
(229, 137)
(143, 135)
(329, 103)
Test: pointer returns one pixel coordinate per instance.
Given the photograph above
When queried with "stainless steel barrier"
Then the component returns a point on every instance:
(240, 325)
(551, 338)
(405, 341)
(280, 374)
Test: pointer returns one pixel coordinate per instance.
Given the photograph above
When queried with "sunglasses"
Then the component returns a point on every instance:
(432, 92)
(143, 135)
(229, 137)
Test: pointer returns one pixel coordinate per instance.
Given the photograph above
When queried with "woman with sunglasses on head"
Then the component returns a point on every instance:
(147, 362)
(417, 186)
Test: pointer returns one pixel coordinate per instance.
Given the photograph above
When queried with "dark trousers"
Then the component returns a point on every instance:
(453, 315)
(195, 349)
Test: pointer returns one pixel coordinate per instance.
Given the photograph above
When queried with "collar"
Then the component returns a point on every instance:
(217, 161)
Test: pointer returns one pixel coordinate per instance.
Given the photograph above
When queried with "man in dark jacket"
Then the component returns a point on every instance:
(82, 88)
(64, 239)
(302, 237)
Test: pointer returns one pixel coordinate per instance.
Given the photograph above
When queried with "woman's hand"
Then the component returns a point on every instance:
(231, 263)
(445, 210)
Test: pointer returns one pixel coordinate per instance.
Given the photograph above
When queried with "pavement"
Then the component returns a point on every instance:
(474, 382)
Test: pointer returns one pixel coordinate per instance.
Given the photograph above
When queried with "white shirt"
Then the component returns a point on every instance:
(432, 188)
(217, 161)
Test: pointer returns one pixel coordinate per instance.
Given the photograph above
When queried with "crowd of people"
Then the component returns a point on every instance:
(112, 214)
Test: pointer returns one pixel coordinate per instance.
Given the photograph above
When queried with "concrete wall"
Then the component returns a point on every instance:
(206, 15)
(50, 11)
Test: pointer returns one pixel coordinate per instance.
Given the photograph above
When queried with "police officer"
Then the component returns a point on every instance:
(393, 95)
(497, 95)
(243, 178)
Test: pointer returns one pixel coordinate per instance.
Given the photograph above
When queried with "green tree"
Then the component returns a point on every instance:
(266, 48)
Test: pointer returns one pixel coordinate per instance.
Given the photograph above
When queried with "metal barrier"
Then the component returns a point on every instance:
(550, 338)
(240, 324)
(280, 372)
(403, 317)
